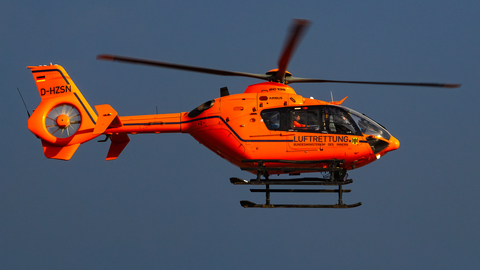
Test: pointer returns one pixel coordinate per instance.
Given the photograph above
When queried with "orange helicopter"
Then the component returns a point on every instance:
(269, 129)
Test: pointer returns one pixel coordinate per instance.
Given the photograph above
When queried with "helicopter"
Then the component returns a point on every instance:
(267, 130)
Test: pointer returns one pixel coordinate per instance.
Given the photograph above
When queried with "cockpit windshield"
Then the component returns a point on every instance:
(322, 119)
(368, 126)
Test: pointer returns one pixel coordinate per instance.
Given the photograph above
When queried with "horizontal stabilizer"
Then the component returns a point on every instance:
(119, 141)
(59, 152)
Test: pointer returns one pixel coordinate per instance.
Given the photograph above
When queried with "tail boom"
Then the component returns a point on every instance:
(155, 123)
(117, 127)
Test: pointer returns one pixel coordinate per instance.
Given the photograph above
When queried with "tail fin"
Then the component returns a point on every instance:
(64, 119)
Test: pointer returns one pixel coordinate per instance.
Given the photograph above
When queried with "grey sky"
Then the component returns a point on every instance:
(167, 203)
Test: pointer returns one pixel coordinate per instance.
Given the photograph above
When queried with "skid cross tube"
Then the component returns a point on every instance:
(337, 178)
(262, 169)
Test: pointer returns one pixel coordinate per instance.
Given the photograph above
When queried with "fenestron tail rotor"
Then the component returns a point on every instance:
(63, 121)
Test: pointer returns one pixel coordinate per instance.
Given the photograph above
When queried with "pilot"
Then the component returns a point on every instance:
(296, 122)
(342, 124)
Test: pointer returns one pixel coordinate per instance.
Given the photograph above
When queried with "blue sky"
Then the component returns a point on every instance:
(167, 203)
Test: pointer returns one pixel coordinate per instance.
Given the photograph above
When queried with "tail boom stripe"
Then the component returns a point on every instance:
(85, 108)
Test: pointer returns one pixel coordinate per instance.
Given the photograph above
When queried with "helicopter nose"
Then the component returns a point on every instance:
(393, 144)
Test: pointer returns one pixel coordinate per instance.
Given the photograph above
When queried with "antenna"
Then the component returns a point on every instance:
(24, 102)
(331, 94)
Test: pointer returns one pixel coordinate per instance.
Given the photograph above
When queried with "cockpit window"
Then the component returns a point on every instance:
(368, 126)
(337, 120)
(321, 119)
(305, 120)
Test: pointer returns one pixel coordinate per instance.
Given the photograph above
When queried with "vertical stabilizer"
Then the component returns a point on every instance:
(64, 119)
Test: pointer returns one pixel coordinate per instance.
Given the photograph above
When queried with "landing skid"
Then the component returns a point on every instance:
(249, 204)
(337, 178)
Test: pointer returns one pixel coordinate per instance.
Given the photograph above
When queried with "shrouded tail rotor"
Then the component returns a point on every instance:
(63, 121)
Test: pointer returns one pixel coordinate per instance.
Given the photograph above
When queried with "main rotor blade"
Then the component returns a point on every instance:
(296, 32)
(181, 67)
(306, 80)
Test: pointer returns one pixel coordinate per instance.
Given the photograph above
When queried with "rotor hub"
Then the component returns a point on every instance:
(274, 71)
(63, 121)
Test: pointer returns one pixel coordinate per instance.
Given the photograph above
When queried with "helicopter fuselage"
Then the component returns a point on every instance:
(260, 124)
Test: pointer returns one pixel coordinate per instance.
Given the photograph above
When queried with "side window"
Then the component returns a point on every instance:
(275, 119)
(304, 120)
(271, 119)
(320, 119)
